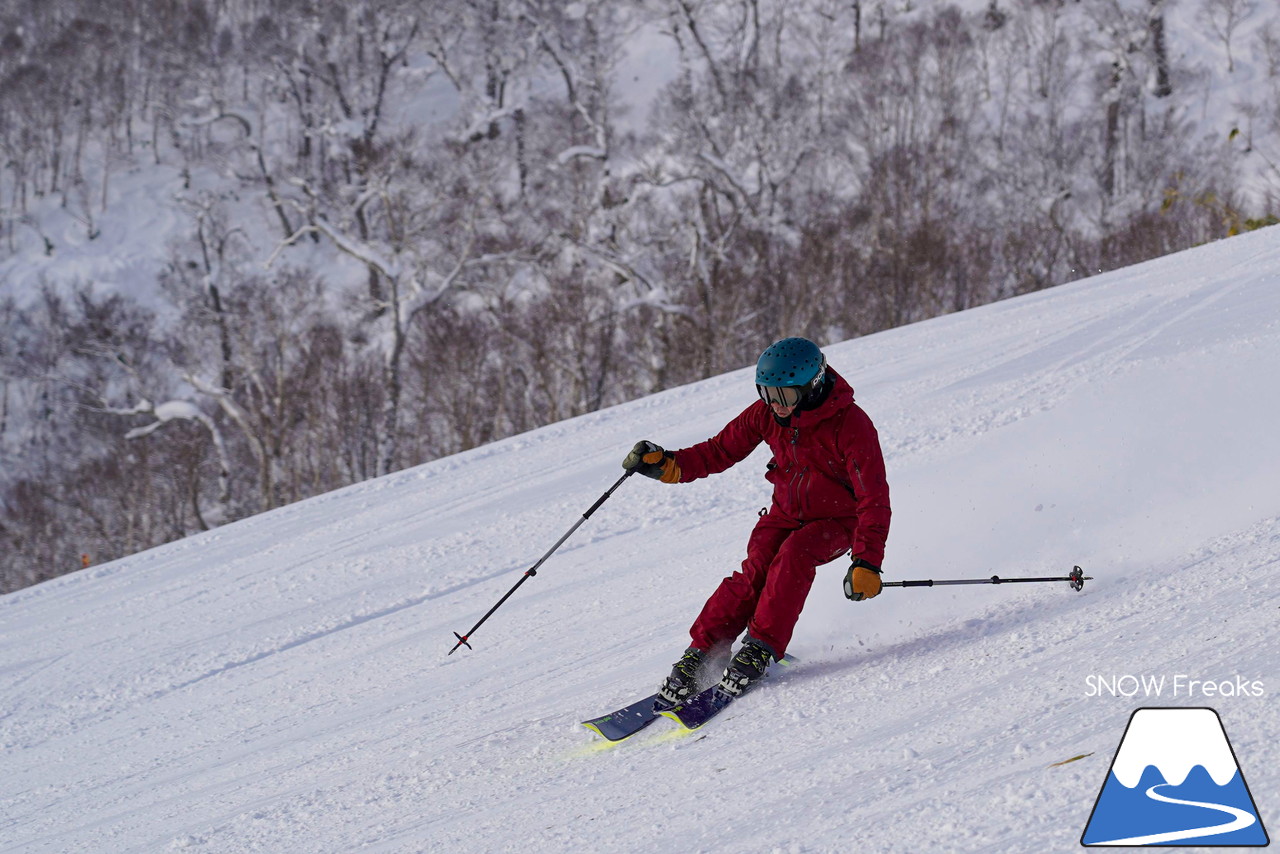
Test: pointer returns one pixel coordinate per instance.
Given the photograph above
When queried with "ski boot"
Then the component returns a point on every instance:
(683, 680)
(747, 667)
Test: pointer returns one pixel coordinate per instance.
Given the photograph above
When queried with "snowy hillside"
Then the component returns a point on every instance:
(282, 684)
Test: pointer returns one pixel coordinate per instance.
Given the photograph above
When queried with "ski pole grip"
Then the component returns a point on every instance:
(596, 506)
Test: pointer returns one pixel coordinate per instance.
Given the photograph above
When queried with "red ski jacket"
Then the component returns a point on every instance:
(826, 464)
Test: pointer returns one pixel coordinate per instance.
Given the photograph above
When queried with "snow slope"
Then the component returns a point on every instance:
(282, 684)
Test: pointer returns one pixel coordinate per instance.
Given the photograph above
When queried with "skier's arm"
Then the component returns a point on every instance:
(731, 445)
(865, 465)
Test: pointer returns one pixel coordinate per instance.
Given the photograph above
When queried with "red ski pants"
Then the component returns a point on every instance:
(767, 594)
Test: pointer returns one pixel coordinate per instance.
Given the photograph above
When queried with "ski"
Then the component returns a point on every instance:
(710, 702)
(704, 706)
(628, 720)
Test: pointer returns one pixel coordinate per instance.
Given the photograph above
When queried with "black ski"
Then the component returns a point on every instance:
(628, 720)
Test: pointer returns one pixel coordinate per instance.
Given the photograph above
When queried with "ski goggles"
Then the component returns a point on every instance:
(780, 395)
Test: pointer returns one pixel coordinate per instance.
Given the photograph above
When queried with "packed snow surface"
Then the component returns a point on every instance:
(282, 683)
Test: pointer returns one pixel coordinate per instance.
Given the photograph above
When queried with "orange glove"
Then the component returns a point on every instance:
(862, 581)
(651, 461)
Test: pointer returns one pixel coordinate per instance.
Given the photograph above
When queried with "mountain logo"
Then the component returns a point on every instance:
(1175, 781)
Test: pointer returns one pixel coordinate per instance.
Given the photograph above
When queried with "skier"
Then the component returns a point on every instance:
(830, 497)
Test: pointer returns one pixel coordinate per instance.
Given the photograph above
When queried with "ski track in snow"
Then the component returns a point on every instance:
(282, 683)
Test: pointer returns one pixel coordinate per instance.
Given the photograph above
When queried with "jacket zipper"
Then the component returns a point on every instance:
(797, 476)
(797, 488)
(857, 472)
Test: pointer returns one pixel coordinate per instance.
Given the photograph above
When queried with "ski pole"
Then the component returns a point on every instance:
(1076, 577)
(533, 570)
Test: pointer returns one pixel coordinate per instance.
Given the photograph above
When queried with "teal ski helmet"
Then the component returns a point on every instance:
(790, 371)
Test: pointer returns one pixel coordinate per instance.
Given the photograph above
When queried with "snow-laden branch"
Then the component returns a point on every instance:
(727, 173)
(479, 127)
(589, 151)
(233, 410)
(569, 71)
(218, 115)
(659, 299)
(173, 410)
(185, 410)
(655, 295)
(421, 296)
(359, 250)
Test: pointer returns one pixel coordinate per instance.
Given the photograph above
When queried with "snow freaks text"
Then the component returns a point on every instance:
(1178, 685)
